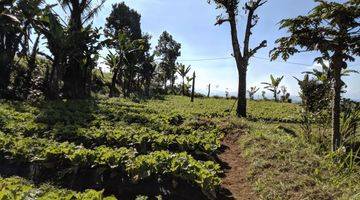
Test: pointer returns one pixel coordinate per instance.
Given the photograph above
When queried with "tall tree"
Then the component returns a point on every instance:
(81, 39)
(242, 58)
(169, 50)
(183, 71)
(133, 49)
(332, 29)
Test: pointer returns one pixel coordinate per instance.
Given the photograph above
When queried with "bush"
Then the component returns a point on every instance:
(314, 94)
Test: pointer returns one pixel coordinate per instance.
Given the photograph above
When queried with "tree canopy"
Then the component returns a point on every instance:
(123, 19)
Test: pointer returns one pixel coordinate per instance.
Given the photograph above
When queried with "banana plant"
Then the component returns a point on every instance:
(124, 60)
(252, 92)
(113, 61)
(57, 42)
(273, 86)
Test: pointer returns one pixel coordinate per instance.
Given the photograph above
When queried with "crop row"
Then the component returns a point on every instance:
(15, 188)
(25, 118)
(75, 124)
(158, 163)
(142, 138)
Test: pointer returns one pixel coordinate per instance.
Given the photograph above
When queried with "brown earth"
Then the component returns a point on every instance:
(235, 183)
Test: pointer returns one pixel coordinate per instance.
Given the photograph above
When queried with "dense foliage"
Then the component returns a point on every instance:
(67, 65)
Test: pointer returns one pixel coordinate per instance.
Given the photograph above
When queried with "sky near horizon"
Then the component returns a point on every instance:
(191, 22)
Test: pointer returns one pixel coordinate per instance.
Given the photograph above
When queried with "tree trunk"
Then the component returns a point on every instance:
(53, 82)
(173, 83)
(113, 83)
(183, 86)
(241, 66)
(275, 94)
(5, 71)
(147, 87)
(31, 66)
(74, 81)
(241, 105)
(120, 80)
(336, 139)
(165, 87)
(9, 44)
(75, 77)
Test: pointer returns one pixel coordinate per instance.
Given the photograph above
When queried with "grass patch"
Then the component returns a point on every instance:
(286, 167)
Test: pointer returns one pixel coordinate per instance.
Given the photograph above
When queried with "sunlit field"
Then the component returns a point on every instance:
(114, 144)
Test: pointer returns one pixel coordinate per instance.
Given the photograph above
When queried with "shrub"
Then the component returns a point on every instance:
(314, 94)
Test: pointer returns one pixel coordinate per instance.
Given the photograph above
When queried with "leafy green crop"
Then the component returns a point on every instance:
(157, 163)
(16, 188)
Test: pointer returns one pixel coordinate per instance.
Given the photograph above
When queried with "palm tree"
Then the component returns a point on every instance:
(273, 85)
(183, 71)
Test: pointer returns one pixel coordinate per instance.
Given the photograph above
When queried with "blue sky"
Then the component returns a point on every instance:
(191, 22)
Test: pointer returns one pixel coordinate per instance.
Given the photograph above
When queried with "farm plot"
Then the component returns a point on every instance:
(122, 148)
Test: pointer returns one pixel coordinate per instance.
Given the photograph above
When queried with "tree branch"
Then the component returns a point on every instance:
(263, 44)
(221, 21)
(251, 22)
(248, 32)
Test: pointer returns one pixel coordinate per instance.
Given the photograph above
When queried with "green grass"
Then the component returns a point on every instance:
(287, 167)
(258, 110)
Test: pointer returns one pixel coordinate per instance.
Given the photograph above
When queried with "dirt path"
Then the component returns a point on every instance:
(235, 183)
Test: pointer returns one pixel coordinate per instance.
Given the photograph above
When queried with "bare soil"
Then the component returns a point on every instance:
(235, 183)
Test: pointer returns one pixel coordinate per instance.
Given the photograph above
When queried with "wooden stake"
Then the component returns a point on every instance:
(209, 88)
(193, 88)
